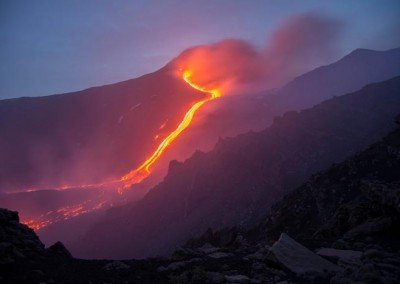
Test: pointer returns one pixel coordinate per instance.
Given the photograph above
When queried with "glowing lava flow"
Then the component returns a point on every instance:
(137, 175)
(65, 213)
(140, 173)
(133, 177)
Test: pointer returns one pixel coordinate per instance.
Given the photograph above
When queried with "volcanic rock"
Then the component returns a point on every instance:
(58, 249)
(237, 278)
(115, 265)
(215, 277)
(339, 254)
(208, 248)
(218, 255)
(17, 241)
(370, 227)
(299, 259)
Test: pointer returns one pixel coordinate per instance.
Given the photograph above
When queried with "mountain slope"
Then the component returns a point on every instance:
(362, 190)
(236, 181)
(90, 135)
(352, 72)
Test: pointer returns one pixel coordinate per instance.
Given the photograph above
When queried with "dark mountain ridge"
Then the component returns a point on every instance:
(363, 190)
(350, 73)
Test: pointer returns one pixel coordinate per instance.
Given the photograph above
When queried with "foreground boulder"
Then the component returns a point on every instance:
(17, 241)
(300, 260)
(341, 256)
(24, 259)
(59, 250)
(374, 266)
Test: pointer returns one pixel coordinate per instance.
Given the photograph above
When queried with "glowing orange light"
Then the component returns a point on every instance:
(64, 213)
(214, 92)
(143, 171)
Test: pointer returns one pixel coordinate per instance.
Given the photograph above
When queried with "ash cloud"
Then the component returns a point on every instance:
(232, 65)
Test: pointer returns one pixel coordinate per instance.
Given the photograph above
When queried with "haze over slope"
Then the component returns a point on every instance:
(235, 182)
(91, 135)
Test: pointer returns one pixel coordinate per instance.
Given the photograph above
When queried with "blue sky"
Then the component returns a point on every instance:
(49, 47)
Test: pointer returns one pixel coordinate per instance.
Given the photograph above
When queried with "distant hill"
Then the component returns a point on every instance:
(234, 183)
(352, 72)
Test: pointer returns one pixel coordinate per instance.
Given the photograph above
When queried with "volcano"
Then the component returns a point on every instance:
(87, 141)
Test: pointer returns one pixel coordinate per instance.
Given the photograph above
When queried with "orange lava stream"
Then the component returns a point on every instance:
(65, 213)
(137, 175)
(133, 177)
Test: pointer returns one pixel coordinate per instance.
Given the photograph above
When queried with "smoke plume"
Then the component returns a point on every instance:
(231, 65)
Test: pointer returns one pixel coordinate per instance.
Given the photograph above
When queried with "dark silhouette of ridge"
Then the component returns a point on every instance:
(350, 73)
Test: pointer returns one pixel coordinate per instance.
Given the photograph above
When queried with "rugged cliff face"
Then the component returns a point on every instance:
(18, 241)
(234, 183)
(356, 201)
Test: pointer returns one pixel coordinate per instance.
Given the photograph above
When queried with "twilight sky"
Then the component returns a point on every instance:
(54, 46)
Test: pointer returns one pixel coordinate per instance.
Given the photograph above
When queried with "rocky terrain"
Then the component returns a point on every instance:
(348, 215)
(24, 259)
(341, 226)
